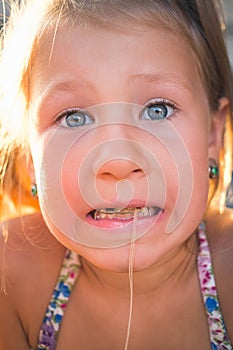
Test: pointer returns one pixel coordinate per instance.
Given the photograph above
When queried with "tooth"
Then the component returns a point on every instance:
(142, 212)
(99, 215)
(125, 213)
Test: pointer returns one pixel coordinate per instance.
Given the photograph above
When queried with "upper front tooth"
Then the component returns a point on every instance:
(110, 210)
(117, 210)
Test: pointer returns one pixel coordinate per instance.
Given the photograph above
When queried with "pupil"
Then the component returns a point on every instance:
(76, 119)
(157, 112)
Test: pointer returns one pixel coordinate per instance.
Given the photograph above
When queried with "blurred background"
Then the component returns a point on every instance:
(228, 19)
(228, 14)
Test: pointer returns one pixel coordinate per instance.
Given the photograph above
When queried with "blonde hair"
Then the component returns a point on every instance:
(197, 21)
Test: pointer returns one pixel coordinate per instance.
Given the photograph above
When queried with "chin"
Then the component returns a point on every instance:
(141, 256)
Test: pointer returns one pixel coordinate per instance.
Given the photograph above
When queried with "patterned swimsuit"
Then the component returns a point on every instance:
(51, 324)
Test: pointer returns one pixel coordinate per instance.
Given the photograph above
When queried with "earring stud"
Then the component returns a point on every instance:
(213, 169)
(34, 190)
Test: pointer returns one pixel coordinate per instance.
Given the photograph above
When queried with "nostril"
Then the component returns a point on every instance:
(118, 169)
(107, 173)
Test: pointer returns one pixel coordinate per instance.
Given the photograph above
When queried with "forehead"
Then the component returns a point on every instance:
(93, 56)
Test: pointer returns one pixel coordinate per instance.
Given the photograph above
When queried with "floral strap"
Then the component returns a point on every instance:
(53, 317)
(68, 276)
(218, 334)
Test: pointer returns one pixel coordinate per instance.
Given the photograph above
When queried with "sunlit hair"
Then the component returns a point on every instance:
(38, 21)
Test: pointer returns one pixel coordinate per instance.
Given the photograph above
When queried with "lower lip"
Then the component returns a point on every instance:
(118, 223)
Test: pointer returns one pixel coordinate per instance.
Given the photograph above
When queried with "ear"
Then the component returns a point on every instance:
(217, 125)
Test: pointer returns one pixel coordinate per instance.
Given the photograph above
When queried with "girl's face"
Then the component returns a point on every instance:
(121, 133)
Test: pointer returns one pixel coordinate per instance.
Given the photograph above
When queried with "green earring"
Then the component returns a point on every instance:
(213, 169)
(34, 190)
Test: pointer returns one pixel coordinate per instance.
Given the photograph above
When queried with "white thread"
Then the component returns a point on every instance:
(131, 261)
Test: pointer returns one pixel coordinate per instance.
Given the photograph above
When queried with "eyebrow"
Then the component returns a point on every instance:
(63, 86)
(164, 78)
(73, 85)
(52, 90)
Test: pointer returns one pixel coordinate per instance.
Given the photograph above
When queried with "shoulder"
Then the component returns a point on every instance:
(26, 242)
(30, 260)
(220, 235)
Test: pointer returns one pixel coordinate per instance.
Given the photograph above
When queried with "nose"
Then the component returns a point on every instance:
(119, 169)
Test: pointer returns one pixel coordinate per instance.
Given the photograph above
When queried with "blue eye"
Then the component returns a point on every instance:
(74, 118)
(158, 110)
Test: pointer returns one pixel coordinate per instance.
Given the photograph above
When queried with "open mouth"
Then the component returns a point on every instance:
(124, 213)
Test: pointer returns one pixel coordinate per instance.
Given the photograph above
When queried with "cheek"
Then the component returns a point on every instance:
(196, 142)
(190, 155)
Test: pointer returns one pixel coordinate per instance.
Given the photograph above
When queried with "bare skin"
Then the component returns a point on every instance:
(168, 312)
(166, 308)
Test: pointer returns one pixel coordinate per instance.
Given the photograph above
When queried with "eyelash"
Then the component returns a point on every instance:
(144, 114)
(159, 102)
(71, 112)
